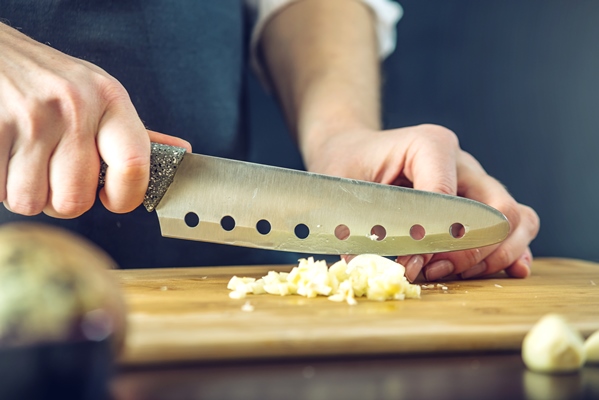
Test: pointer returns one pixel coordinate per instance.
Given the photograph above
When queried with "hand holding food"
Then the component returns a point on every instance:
(428, 157)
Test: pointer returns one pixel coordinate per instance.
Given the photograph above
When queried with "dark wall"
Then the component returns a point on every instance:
(518, 81)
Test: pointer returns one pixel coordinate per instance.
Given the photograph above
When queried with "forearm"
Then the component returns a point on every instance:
(322, 59)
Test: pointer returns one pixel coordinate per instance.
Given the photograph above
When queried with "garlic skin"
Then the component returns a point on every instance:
(591, 349)
(553, 346)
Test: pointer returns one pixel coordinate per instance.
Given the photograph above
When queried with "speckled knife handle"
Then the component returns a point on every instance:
(164, 161)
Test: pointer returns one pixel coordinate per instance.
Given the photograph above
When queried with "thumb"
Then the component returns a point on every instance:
(431, 162)
(162, 138)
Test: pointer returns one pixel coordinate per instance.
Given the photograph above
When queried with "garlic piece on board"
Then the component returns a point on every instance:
(553, 346)
(591, 349)
(373, 276)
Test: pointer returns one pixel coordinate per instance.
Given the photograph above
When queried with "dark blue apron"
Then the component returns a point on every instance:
(182, 63)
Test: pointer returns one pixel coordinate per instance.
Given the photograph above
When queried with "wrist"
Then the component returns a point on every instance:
(329, 147)
(333, 114)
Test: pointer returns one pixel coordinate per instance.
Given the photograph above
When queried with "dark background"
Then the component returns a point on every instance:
(517, 81)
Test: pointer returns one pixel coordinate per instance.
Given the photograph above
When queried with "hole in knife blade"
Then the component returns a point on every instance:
(342, 232)
(378, 233)
(302, 231)
(457, 230)
(263, 227)
(227, 222)
(417, 232)
(191, 219)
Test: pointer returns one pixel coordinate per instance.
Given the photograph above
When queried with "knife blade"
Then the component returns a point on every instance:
(211, 199)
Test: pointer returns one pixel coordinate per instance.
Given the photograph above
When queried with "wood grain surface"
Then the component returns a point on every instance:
(185, 314)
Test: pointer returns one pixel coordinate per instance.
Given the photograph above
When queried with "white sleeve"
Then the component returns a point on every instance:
(386, 12)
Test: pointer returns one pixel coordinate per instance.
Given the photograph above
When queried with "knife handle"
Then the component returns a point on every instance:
(164, 160)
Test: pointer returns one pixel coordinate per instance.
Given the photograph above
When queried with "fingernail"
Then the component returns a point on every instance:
(413, 267)
(438, 270)
(347, 257)
(478, 269)
(526, 261)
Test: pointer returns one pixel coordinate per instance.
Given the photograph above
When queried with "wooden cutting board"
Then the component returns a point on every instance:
(185, 314)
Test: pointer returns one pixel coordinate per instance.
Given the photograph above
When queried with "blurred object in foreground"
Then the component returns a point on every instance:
(62, 317)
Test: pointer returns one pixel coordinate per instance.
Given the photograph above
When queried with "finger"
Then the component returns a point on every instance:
(516, 245)
(445, 264)
(124, 145)
(521, 268)
(348, 257)
(5, 148)
(413, 264)
(73, 177)
(27, 180)
(162, 138)
(513, 254)
(431, 162)
(27, 143)
(489, 259)
(474, 183)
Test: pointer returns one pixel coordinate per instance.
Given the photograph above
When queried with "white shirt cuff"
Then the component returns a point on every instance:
(387, 14)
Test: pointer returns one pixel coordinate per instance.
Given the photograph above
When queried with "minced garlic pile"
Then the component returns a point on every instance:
(375, 277)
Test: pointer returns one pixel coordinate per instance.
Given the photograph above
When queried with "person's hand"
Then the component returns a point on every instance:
(58, 116)
(428, 157)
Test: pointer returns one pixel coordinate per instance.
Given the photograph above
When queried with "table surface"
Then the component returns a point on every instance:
(485, 373)
(478, 376)
(194, 320)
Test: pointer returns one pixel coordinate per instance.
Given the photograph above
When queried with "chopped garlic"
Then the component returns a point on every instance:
(247, 307)
(373, 276)
(236, 282)
(237, 295)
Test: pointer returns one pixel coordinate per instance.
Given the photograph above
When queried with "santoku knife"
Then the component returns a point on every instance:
(218, 200)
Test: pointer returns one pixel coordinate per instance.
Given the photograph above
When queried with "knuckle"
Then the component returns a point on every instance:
(470, 161)
(444, 185)
(111, 89)
(71, 99)
(61, 105)
(72, 207)
(441, 134)
(136, 168)
(29, 115)
(70, 104)
(502, 257)
(511, 211)
(469, 258)
(531, 219)
(27, 207)
(120, 205)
